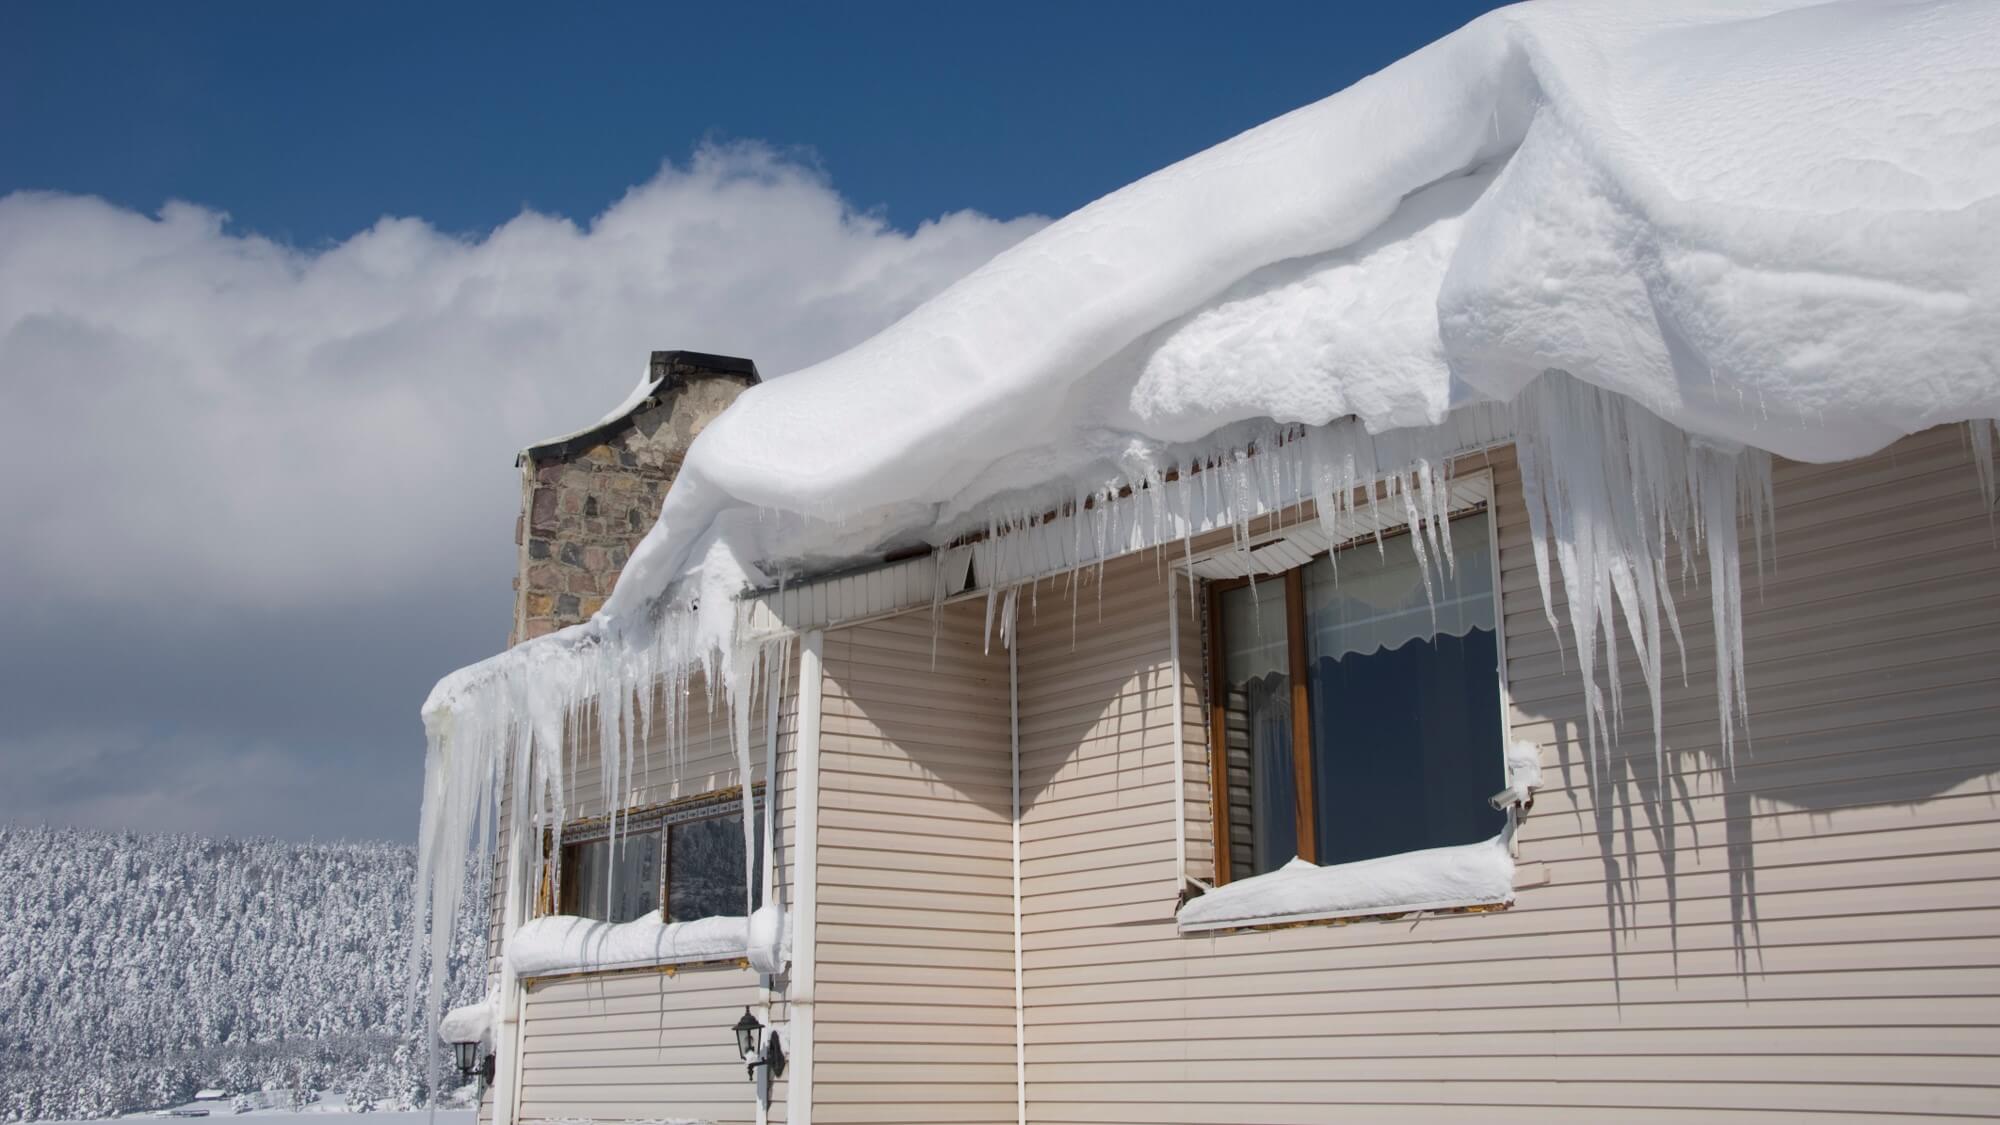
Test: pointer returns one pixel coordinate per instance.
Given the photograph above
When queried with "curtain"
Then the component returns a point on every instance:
(1273, 784)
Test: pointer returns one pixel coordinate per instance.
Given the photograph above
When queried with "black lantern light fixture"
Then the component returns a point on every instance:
(470, 1064)
(770, 1052)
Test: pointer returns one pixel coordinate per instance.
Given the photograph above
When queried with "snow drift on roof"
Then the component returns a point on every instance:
(1768, 223)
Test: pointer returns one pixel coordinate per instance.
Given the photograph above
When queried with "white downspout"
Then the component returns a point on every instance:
(507, 1036)
(774, 691)
(1180, 736)
(1020, 1018)
(805, 883)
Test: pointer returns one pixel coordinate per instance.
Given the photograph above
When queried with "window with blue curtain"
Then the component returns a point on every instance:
(1404, 737)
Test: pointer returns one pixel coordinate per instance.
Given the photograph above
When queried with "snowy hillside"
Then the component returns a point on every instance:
(135, 970)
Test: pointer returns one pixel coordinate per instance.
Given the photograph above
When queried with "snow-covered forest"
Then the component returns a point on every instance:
(137, 969)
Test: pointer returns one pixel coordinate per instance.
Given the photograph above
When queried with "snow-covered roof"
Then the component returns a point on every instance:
(1768, 222)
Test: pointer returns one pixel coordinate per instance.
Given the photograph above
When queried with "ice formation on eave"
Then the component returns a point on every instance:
(1672, 239)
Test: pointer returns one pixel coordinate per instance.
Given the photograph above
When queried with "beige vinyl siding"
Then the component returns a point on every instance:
(915, 992)
(1817, 933)
(647, 1045)
(637, 1046)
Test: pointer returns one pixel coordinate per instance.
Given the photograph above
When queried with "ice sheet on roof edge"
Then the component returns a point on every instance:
(1733, 228)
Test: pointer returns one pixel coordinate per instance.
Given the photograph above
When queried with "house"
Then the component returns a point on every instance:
(1123, 727)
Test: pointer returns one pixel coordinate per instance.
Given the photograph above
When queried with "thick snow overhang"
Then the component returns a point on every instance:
(668, 372)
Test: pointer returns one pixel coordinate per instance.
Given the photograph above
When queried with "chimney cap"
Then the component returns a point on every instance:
(668, 371)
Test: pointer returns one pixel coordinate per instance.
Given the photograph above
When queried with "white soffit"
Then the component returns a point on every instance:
(1280, 551)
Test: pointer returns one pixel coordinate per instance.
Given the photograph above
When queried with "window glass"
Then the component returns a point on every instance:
(692, 852)
(1258, 700)
(705, 866)
(1404, 692)
(613, 880)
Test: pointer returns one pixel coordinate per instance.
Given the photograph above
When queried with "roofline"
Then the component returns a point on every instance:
(667, 372)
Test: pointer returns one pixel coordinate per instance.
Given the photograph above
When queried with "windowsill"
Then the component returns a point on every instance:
(1461, 877)
(563, 945)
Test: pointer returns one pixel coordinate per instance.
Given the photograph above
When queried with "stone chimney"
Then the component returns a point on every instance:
(588, 498)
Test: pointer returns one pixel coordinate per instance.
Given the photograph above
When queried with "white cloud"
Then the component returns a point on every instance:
(209, 419)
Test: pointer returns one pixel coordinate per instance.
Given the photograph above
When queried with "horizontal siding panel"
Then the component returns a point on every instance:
(1093, 1113)
(1608, 916)
(1969, 1018)
(1177, 1098)
(594, 1047)
(1610, 1040)
(1534, 951)
(914, 829)
(1772, 1065)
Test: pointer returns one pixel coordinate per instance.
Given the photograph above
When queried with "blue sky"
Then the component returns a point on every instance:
(309, 121)
(256, 446)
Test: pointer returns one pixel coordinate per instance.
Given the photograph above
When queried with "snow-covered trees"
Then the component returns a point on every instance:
(136, 969)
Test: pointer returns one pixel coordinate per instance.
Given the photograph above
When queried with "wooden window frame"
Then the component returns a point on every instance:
(712, 805)
(1297, 666)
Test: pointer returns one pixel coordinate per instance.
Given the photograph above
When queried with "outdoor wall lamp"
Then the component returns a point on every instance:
(771, 1054)
(470, 1064)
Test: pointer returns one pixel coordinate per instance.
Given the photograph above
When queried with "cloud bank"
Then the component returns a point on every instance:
(224, 460)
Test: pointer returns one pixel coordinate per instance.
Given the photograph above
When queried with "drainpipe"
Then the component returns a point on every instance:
(507, 1036)
(1180, 735)
(774, 692)
(805, 883)
(1020, 1020)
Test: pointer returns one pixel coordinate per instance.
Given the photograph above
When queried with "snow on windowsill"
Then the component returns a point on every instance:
(1480, 874)
(561, 944)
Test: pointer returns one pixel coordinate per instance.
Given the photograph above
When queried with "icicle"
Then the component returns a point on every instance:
(1609, 489)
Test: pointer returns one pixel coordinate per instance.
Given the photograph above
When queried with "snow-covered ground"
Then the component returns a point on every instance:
(331, 1109)
(320, 1115)
(270, 1108)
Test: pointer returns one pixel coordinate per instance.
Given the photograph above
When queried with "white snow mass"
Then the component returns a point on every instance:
(1670, 239)
(561, 944)
(1431, 879)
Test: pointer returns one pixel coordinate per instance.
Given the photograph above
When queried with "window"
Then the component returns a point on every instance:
(688, 855)
(1358, 715)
